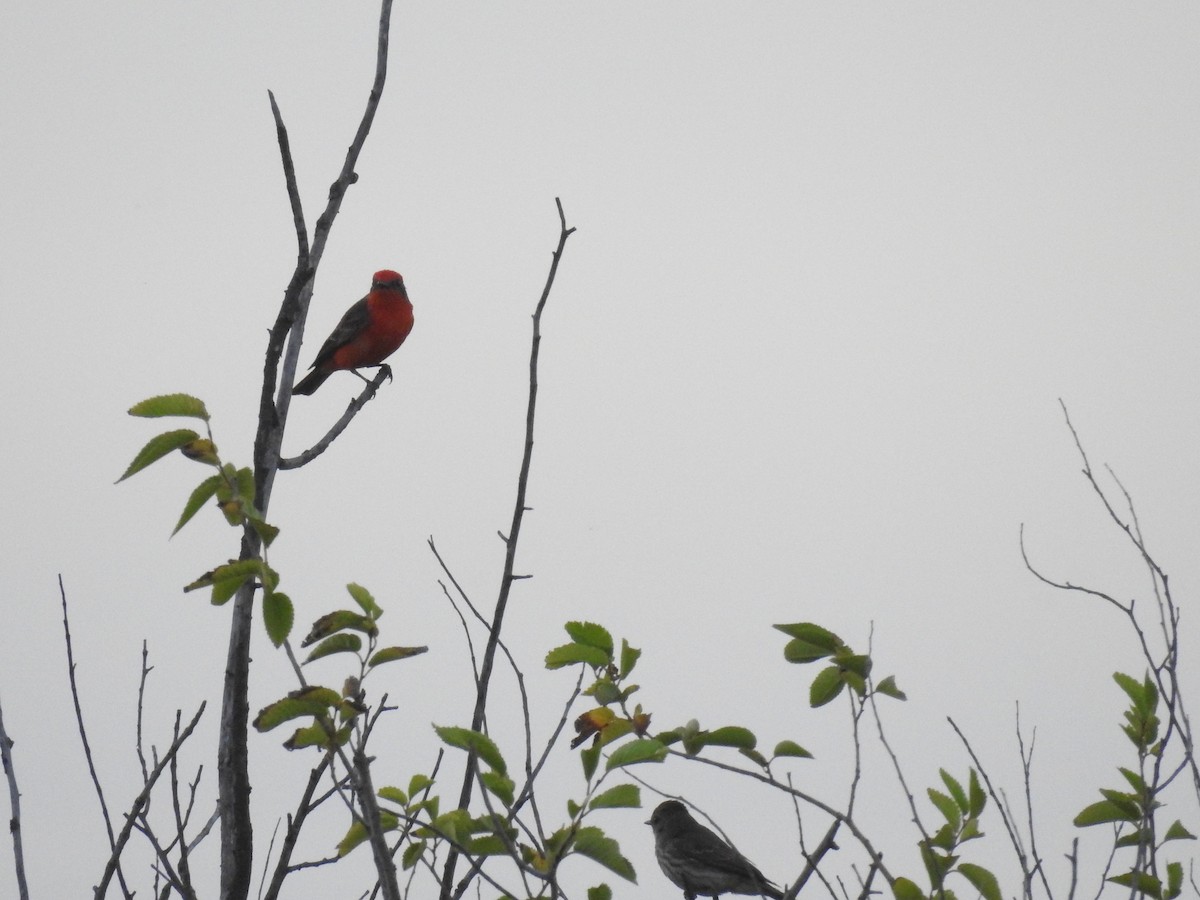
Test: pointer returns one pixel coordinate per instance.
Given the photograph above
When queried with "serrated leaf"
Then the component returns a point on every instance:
(312, 701)
(393, 795)
(730, 736)
(1133, 838)
(982, 880)
(316, 735)
(791, 748)
(1145, 882)
(888, 688)
(589, 758)
(202, 494)
(570, 654)
(1174, 879)
(265, 530)
(158, 447)
(1101, 812)
(487, 845)
(825, 687)
(278, 616)
(599, 892)
(392, 654)
(500, 785)
(1178, 833)
(337, 643)
(754, 756)
(812, 634)
(365, 601)
(639, 751)
(357, 833)
(592, 635)
(472, 741)
(604, 692)
(800, 651)
(599, 847)
(622, 796)
(170, 405)
(904, 889)
(956, 791)
(978, 796)
(856, 663)
(412, 854)
(417, 784)
(1131, 686)
(341, 620)
(1126, 802)
(629, 657)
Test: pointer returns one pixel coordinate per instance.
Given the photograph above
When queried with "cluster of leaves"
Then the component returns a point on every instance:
(941, 852)
(233, 490)
(812, 643)
(334, 713)
(1133, 810)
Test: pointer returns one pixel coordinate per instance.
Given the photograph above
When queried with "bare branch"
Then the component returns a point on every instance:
(510, 554)
(14, 798)
(352, 410)
(140, 801)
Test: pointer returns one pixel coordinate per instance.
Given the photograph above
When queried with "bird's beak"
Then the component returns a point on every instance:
(647, 822)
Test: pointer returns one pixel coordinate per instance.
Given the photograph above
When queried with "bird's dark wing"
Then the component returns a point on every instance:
(710, 850)
(353, 322)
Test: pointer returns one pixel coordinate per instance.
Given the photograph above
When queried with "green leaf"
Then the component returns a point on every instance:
(589, 757)
(813, 634)
(488, 845)
(791, 748)
(591, 635)
(857, 663)
(499, 785)
(800, 651)
(472, 741)
(158, 447)
(204, 492)
(1178, 833)
(1127, 802)
(226, 579)
(904, 889)
(599, 892)
(364, 600)
(978, 797)
(622, 796)
(1174, 879)
(730, 736)
(170, 405)
(341, 620)
(639, 751)
(569, 654)
(888, 688)
(982, 880)
(825, 687)
(1134, 838)
(391, 654)
(596, 845)
(278, 616)
(629, 658)
(956, 791)
(311, 701)
(604, 691)
(412, 854)
(393, 795)
(357, 833)
(1146, 883)
(1103, 811)
(266, 530)
(1130, 686)
(337, 643)
(754, 756)
(317, 735)
(417, 784)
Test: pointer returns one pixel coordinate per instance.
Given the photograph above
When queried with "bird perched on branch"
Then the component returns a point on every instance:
(698, 861)
(370, 331)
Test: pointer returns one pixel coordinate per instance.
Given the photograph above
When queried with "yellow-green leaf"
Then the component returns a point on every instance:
(170, 405)
(158, 447)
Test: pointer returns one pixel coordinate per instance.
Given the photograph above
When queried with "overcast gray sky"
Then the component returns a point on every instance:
(836, 264)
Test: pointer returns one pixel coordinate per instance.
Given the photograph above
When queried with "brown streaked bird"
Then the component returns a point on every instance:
(698, 861)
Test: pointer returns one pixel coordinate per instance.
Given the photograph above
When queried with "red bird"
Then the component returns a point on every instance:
(370, 331)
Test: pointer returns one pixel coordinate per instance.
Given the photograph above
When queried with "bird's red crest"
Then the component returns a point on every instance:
(385, 277)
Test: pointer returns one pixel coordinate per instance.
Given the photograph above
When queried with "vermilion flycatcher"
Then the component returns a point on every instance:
(370, 331)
